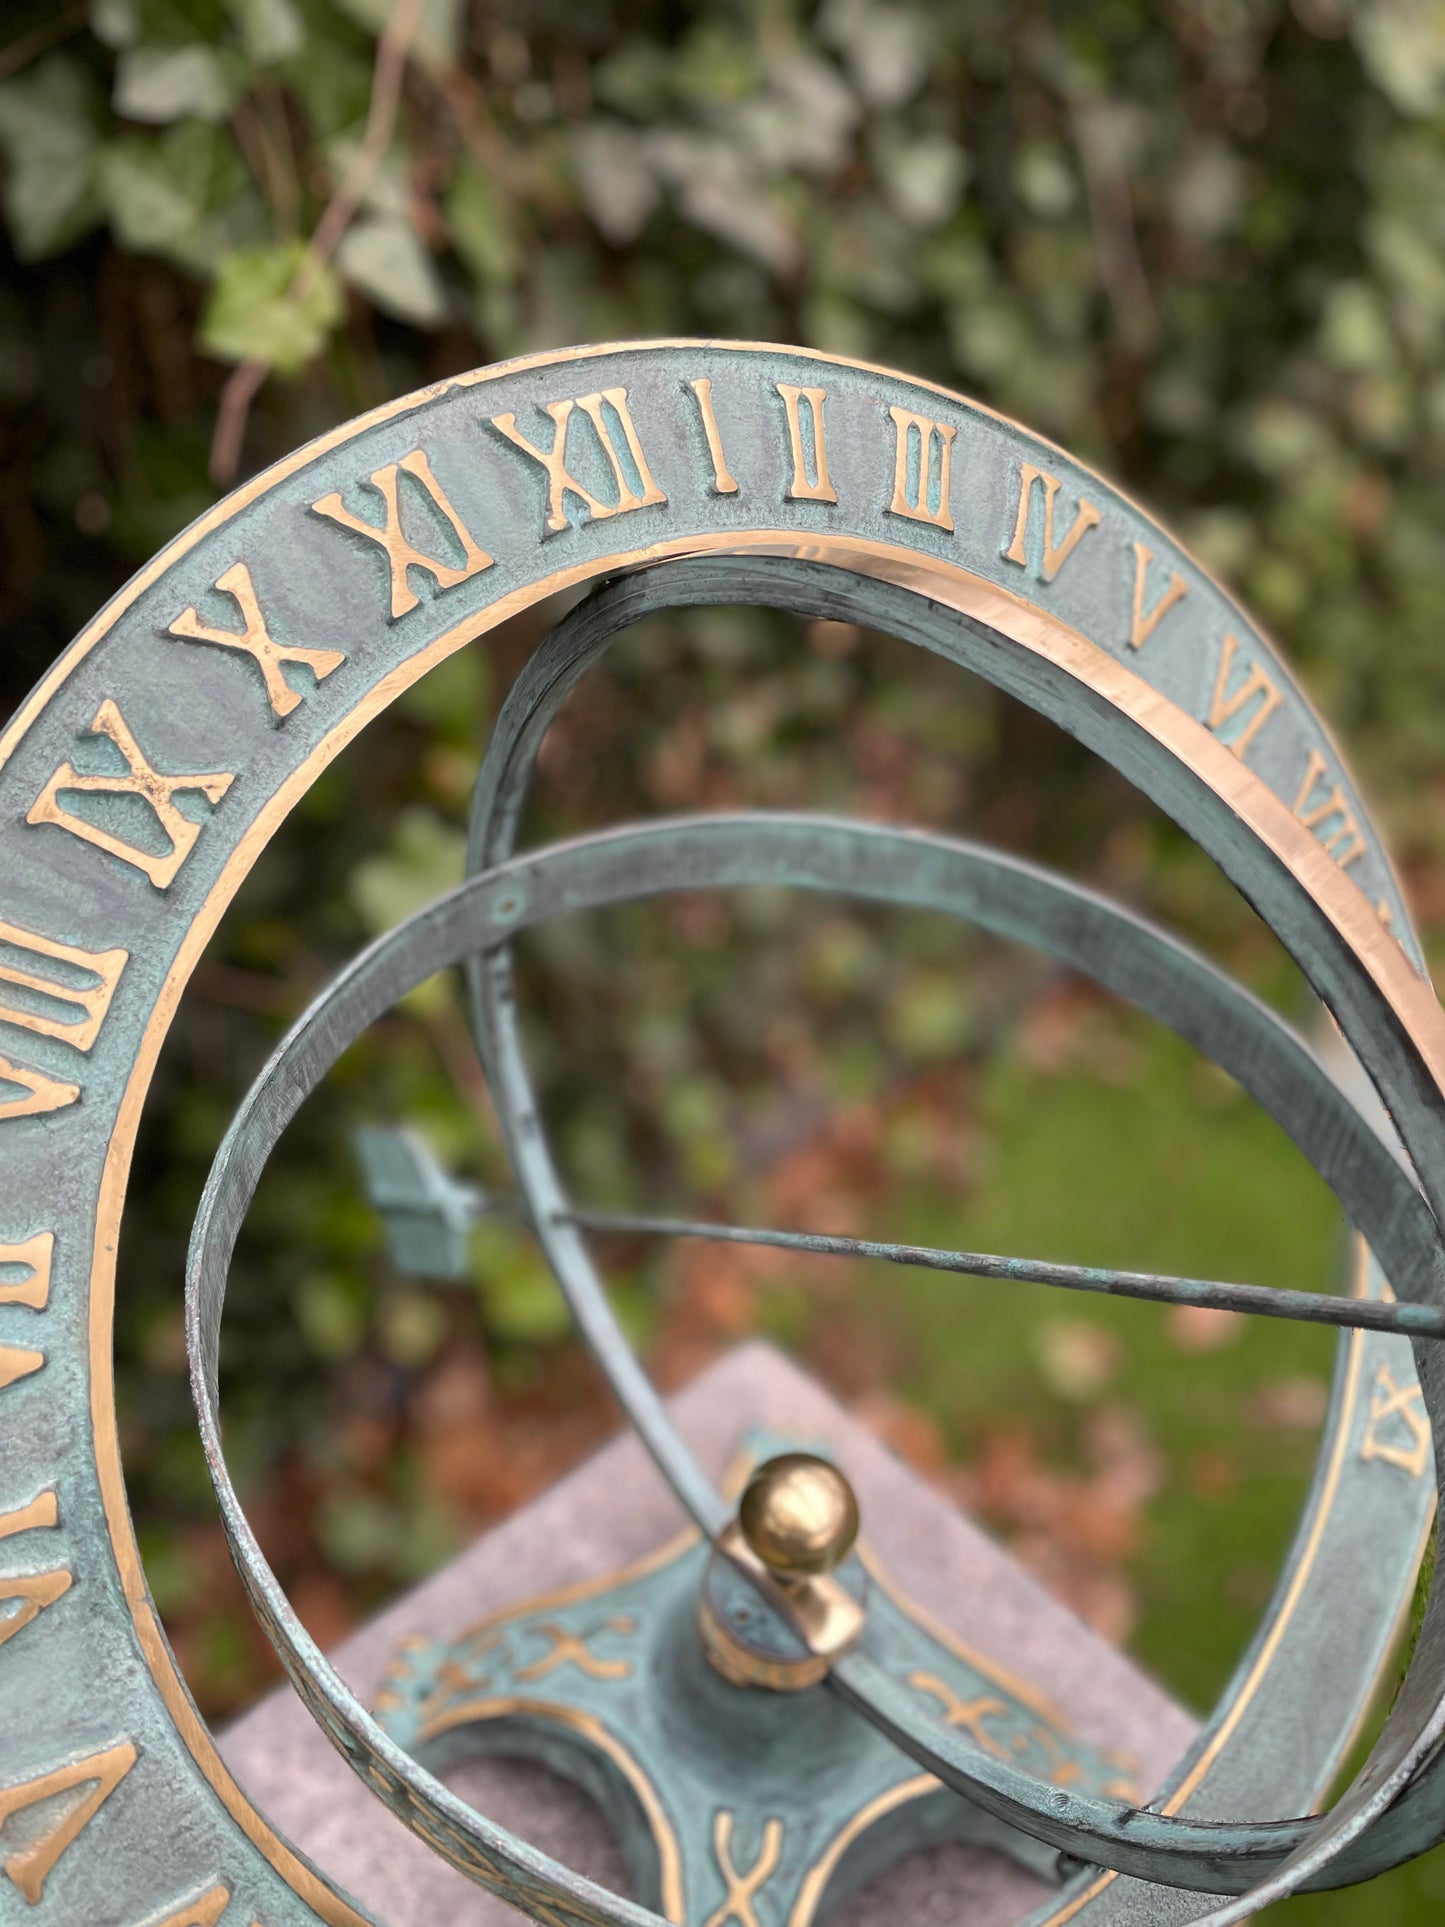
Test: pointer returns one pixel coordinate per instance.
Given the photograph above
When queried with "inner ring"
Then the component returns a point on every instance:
(1388, 1014)
(1142, 963)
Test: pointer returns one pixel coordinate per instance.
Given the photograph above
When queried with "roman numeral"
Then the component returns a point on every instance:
(23, 1597)
(37, 1093)
(17, 1362)
(31, 1866)
(633, 479)
(922, 464)
(142, 780)
(204, 1911)
(723, 482)
(1054, 555)
(811, 481)
(52, 1004)
(401, 553)
(33, 1256)
(743, 1884)
(85, 1005)
(1398, 1411)
(1253, 700)
(1323, 807)
(254, 639)
(1142, 623)
(43, 1511)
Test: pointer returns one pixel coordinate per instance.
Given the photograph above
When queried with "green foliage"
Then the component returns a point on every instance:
(185, 196)
(48, 128)
(1076, 216)
(253, 314)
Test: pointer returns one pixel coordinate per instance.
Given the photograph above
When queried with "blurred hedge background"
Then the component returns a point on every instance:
(1204, 246)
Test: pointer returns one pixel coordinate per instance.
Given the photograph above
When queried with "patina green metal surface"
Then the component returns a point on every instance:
(610, 1686)
(141, 780)
(810, 853)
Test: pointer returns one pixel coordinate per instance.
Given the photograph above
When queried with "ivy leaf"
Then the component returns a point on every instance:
(185, 196)
(1403, 52)
(1354, 330)
(253, 316)
(160, 84)
(923, 178)
(387, 190)
(384, 258)
(271, 30)
(427, 856)
(614, 181)
(47, 132)
(885, 48)
(479, 222)
(332, 85)
(115, 23)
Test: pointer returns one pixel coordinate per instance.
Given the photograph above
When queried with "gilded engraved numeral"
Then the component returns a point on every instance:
(566, 1648)
(809, 450)
(204, 1911)
(37, 1092)
(1253, 700)
(25, 1596)
(1054, 554)
(143, 780)
(968, 1714)
(922, 468)
(401, 553)
(723, 481)
(34, 1592)
(34, 1256)
(88, 1003)
(743, 1887)
(636, 487)
(254, 639)
(460, 1851)
(32, 1290)
(1062, 1771)
(42, 1511)
(1323, 807)
(31, 1866)
(1397, 1431)
(1385, 912)
(1143, 622)
(17, 1362)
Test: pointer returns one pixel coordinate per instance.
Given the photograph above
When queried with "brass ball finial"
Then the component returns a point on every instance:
(799, 1515)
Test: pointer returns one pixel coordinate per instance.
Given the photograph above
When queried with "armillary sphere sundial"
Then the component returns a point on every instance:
(139, 783)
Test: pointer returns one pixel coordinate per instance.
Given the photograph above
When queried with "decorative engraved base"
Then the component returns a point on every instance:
(1007, 1636)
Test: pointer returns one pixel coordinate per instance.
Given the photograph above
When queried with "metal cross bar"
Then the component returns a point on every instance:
(428, 1214)
(1265, 1301)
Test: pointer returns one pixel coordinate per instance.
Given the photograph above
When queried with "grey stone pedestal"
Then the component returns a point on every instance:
(612, 1510)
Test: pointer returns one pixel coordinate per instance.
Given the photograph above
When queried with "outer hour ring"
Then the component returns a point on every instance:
(91, 1682)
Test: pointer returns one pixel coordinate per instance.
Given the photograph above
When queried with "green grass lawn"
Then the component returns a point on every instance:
(1165, 1168)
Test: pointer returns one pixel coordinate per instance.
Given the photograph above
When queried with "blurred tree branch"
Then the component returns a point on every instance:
(29, 46)
(245, 381)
